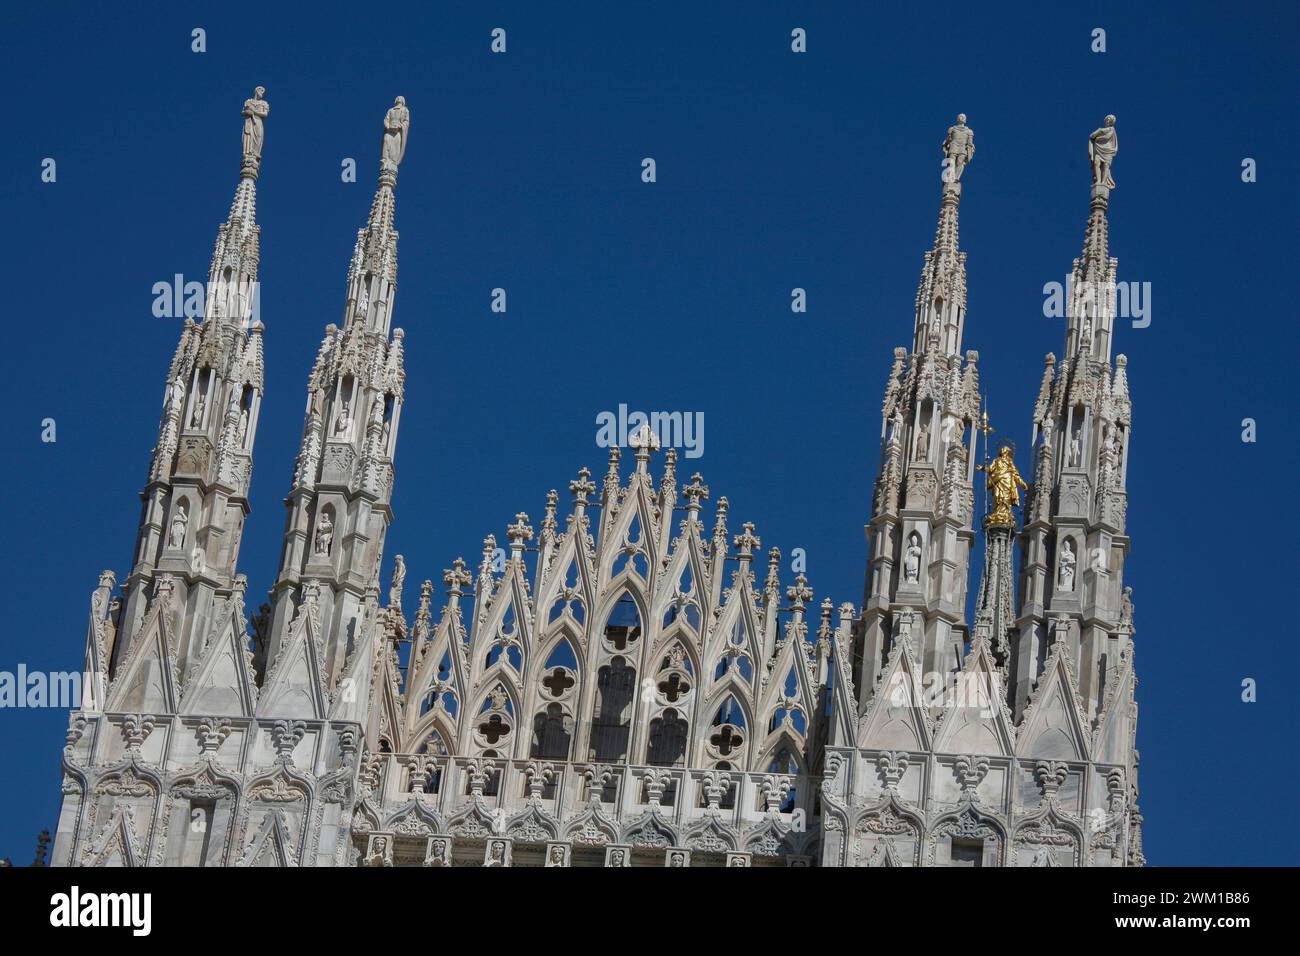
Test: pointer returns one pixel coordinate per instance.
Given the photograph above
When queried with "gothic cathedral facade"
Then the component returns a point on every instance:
(603, 690)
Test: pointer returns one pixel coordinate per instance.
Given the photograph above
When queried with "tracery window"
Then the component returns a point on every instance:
(611, 720)
(667, 743)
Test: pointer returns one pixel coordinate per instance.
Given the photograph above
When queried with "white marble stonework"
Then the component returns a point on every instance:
(635, 684)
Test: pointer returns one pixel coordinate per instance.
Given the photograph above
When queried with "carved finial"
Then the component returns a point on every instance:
(456, 577)
(772, 586)
(695, 492)
(643, 441)
(799, 592)
(746, 542)
(519, 534)
(285, 736)
(582, 486)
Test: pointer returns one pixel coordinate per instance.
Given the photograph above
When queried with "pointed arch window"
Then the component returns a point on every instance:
(552, 734)
(611, 721)
(624, 626)
(667, 743)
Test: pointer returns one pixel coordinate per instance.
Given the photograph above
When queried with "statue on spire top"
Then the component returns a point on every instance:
(396, 122)
(1003, 483)
(1103, 144)
(255, 110)
(958, 148)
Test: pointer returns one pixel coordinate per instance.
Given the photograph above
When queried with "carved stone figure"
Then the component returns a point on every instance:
(1103, 144)
(324, 535)
(1076, 448)
(399, 577)
(912, 560)
(243, 426)
(254, 112)
(343, 422)
(176, 395)
(196, 419)
(923, 442)
(396, 123)
(1067, 563)
(958, 149)
(180, 518)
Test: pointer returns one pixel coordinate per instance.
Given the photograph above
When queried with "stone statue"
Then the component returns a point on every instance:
(1067, 565)
(243, 425)
(176, 395)
(324, 534)
(958, 149)
(912, 561)
(1003, 481)
(255, 110)
(1076, 448)
(1126, 609)
(180, 519)
(557, 856)
(384, 435)
(343, 423)
(677, 860)
(399, 577)
(396, 123)
(1103, 144)
(196, 419)
(923, 442)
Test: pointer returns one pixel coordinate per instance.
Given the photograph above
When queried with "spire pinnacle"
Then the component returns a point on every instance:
(1103, 144)
(1092, 298)
(373, 273)
(941, 295)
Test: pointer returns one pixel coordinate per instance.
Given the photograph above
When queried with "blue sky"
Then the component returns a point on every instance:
(775, 170)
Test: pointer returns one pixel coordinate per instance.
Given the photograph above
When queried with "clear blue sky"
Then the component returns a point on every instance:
(774, 171)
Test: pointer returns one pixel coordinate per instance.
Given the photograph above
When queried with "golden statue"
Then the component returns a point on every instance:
(1004, 480)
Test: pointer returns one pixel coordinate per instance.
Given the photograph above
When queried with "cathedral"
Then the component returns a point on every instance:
(602, 689)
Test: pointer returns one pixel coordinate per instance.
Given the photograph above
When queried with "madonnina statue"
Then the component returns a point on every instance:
(1003, 484)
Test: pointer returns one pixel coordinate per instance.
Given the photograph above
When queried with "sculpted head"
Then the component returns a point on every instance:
(1110, 119)
(961, 119)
